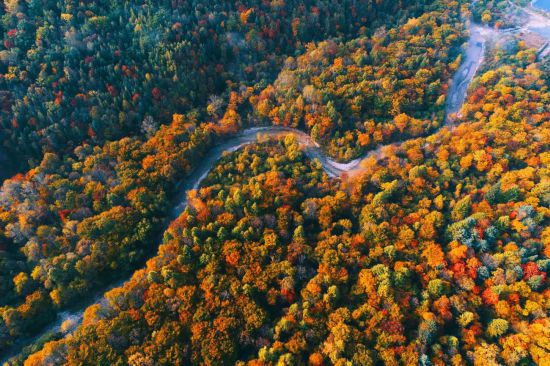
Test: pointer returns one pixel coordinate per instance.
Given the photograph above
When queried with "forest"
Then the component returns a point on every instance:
(433, 251)
(97, 71)
(63, 221)
(373, 90)
(437, 254)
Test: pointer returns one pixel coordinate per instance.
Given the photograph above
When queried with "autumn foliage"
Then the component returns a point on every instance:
(435, 252)
(415, 261)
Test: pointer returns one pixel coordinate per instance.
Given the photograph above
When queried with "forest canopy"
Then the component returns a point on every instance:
(433, 248)
(95, 202)
(97, 71)
(436, 254)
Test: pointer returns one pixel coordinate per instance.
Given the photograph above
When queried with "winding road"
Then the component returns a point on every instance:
(466, 72)
(67, 321)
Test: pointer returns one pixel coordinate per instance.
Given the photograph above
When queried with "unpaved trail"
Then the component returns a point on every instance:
(473, 57)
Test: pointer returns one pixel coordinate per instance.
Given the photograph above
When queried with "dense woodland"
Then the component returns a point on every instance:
(75, 71)
(435, 253)
(372, 90)
(83, 214)
(68, 225)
